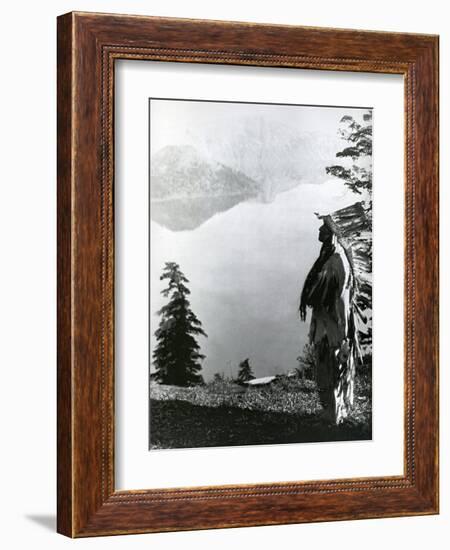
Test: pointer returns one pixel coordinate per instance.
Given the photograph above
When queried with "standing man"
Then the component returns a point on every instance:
(329, 289)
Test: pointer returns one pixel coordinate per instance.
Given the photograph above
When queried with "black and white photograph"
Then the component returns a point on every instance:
(223, 241)
(260, 273)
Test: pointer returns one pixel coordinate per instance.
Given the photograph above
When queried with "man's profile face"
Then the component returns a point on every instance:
(325, 233)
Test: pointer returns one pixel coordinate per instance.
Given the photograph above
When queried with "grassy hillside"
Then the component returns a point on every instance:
(222, 413)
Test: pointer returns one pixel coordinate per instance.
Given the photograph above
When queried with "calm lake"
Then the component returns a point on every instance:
(246, 265)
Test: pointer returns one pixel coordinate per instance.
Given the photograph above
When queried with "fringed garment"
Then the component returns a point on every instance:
(329, 291)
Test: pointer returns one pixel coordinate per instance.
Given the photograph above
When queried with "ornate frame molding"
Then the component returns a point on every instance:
(88, 45)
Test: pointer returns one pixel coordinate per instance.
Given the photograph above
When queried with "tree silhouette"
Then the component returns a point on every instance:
(357, 175)
(177, 356)
(307, 362)
(245, 372)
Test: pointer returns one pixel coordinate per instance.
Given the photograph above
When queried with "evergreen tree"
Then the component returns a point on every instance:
(245, 372)
(307, 362)
(177, 356)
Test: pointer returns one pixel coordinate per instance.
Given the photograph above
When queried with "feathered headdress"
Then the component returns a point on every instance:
(353, 229)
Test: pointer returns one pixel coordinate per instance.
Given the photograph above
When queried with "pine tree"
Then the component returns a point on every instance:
(177, 356)
(245, 372)
(307, 362)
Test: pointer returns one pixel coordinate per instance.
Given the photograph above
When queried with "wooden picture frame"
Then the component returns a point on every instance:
(88, 45)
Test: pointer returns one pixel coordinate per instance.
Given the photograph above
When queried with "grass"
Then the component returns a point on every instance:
(222, 413)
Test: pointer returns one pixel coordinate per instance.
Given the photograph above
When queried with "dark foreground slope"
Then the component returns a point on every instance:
(221, 414)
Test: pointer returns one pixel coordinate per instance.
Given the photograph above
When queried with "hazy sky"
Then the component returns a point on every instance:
(178, 122)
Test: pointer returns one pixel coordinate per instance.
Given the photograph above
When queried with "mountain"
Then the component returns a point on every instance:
(260, 159)
(180, 172)
(277, 154)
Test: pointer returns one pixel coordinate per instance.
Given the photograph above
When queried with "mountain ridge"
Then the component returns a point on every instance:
(179, 172)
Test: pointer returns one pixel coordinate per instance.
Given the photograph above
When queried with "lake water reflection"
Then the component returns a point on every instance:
(246, 264)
